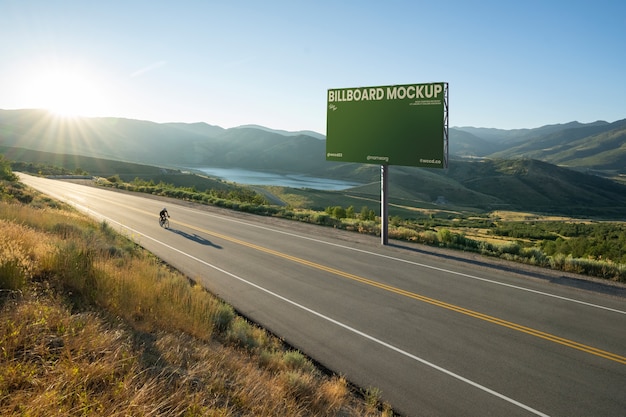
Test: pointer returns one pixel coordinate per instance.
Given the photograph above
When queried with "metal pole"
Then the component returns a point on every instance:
(384, 218)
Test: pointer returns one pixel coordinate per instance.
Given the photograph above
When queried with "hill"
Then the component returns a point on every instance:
(111, 138)
(518, 185)
(516, 170)
(598, 146)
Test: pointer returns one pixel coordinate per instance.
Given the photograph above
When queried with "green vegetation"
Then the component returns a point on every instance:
(45, 169)
(523, 176)
(6, 173)
(231, 196)
(91, 325)
(594, 248)
(591, 248)
(590, 240)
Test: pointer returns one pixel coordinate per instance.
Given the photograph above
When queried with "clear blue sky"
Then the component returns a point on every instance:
(509, 64)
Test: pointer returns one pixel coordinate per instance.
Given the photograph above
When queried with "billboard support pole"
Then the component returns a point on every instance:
(384, 218)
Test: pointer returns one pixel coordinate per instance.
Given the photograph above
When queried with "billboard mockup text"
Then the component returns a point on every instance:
(388, 125)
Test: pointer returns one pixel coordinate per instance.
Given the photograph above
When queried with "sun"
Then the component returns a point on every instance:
(65, 92)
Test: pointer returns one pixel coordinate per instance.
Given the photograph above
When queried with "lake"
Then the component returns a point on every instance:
(244, 176)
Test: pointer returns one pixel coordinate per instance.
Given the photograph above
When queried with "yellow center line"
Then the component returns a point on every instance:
(514, 326)
(491, 319)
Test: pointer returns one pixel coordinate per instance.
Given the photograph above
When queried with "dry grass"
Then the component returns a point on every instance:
(514, 216)
(91, 325)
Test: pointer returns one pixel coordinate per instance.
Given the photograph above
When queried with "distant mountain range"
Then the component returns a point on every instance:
(598, 146)
(541, 169)
(161, 144)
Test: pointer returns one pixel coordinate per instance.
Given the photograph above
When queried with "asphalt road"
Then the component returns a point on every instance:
(437, 334)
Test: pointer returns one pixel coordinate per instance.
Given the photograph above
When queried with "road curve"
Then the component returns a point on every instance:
(437, 335)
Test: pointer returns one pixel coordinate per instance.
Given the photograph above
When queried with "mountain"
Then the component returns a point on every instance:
(533, 185)
(166, 144)
(517, 185)
(285, 132)
(598, 146)
(202, 129)
(112, 138)
(464, 143)
(260, 149)
(524, 169)
(513, 136)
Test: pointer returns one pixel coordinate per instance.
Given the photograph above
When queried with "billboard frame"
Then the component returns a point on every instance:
(334, 155)
(446, 122)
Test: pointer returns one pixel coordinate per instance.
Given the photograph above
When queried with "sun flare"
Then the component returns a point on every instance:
(65, 92)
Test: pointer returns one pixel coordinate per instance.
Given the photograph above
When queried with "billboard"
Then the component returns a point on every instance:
(389, 125)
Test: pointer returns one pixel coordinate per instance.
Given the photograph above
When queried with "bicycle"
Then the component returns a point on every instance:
(164, 222)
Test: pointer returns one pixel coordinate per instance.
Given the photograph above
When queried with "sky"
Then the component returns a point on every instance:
(509, 64)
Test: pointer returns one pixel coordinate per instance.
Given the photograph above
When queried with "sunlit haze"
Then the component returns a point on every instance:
(65, 91)
(508, 64)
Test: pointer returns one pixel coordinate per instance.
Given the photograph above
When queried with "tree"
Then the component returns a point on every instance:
(367, 214)
(339, 212)
(6, 173)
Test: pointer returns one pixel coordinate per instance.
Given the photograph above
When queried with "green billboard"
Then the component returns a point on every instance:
(389, 125)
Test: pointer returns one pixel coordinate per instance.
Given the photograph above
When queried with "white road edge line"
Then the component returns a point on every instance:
(490, 281)
(324, 317)
(474, 277)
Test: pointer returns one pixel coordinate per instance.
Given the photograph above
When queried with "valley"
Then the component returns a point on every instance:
(489, 169)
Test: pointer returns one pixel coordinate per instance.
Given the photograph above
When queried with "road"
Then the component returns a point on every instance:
(436, 334)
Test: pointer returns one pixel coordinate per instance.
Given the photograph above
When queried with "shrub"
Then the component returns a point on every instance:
(535, 256)
(444, 236)
(242, 334)
(367, 214)
(6, 173)
(337, 212)
(223, 316)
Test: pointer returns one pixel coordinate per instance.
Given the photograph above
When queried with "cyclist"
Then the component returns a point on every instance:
(163, 214)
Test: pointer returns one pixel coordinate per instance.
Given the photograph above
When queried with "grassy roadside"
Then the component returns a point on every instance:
(596, 248)
(593, 248)
(91, 324)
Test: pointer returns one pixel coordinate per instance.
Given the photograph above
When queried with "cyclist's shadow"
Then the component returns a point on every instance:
(195, 238)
